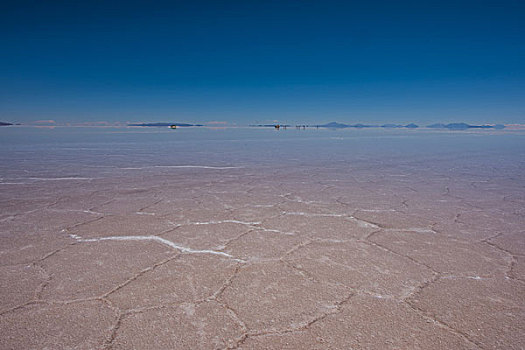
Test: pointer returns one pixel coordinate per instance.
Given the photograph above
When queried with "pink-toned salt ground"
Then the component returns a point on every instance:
(427, 255)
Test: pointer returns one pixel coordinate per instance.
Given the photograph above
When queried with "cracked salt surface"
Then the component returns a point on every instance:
(364, 250)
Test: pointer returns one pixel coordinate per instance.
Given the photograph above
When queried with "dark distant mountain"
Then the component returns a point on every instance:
(5, 124)
(464, 126)
(163, 124)
(458, 126)
(411, 126)
(391, 126)
(360, 126)
(334, 125)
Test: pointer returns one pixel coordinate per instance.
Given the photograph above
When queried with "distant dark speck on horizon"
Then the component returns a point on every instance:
(164, 124)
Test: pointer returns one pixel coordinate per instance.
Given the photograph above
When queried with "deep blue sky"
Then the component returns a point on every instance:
(258, 61)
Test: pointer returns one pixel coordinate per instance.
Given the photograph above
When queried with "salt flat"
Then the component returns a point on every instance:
(262, 239)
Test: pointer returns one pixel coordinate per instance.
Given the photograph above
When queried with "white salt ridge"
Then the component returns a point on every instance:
(376, 295)
(7, 218)
(225, 221)
(377, 210)
(363, 223)
(478, 278)
(300, 213)
(197, 166)
(296, 198)
(32, 179)
(183, 166)
(421, 230)
(276, 231)
(92, 212)
(414, 229)
(87, 211)
(360, 223)
(155, 239)
(59, 178)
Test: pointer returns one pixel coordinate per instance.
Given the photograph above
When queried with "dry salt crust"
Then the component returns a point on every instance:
(406, 256)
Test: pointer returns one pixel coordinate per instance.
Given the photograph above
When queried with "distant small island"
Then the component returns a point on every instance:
(5, 124)
(164, 124)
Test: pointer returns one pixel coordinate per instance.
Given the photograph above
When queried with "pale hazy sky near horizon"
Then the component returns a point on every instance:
(250, 62)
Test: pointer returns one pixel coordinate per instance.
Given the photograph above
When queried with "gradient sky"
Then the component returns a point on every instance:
(257, 61)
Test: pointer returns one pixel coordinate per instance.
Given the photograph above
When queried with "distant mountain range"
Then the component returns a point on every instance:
(464, 126)
(164, 124)
(451, 126)
(335, 125)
